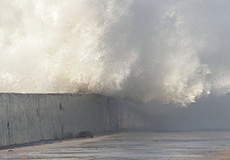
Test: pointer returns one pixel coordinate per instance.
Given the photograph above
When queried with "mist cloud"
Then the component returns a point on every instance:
(167, 51)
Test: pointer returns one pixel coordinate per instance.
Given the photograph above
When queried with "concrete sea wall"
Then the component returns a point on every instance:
(28, 118)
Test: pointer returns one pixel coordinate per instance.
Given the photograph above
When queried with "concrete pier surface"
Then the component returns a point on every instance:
(205, 145)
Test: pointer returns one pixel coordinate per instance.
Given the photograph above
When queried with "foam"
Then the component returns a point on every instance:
(140, 50)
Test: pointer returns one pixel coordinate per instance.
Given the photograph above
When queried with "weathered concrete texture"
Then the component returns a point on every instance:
(29, 117)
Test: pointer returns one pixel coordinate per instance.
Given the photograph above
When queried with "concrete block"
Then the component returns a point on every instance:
(26, 118)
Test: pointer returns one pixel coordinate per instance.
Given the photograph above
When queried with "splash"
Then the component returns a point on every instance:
(140, 50)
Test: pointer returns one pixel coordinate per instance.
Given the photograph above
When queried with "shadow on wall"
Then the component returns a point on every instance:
(208, 113)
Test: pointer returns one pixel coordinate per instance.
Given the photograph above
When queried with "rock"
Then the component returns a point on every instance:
(84, 134)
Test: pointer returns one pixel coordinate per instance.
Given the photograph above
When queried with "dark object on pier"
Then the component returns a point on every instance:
(84, 134)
